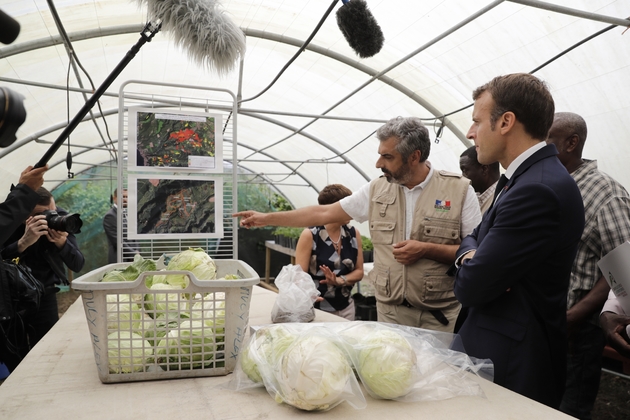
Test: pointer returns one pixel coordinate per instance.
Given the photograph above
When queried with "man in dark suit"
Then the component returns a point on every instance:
(514, 268)
(110, 225)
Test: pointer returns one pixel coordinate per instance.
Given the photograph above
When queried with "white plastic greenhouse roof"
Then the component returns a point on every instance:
(315, 125)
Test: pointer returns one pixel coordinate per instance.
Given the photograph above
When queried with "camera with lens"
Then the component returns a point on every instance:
(70, 223)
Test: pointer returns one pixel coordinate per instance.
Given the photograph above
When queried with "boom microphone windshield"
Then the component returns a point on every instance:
(204, 31)
(9, 28)
(12, 115)
(359, 27)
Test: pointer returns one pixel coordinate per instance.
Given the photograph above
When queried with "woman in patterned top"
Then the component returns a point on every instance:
(333, 256)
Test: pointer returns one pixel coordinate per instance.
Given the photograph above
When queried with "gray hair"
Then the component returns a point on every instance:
(412, 135)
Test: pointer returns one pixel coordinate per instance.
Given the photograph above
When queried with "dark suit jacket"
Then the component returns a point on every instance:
(44, 259)
(516, 284)
(15, 209)
(110, 226)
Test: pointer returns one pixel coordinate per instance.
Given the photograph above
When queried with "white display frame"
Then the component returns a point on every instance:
(133, 199)
(196, 163)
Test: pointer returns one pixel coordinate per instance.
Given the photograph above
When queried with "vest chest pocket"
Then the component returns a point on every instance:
(437, 289)
(382, 232)
(446, 229)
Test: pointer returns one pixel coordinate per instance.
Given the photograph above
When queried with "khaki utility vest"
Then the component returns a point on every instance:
(436, 219)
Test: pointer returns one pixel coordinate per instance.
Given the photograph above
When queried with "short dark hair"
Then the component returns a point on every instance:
(526, 96)
(333, 193)
(44, 196)
(411, 133)
(471, 153)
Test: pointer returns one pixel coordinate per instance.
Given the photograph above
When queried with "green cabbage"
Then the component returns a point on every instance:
(191, 346)
(154, 332)
(386, 364)
(132, 271)
(212, 313)
(127, 352)
(123, 313)
(314, 374)
(265, 348)
(165, 305)
(194, 260)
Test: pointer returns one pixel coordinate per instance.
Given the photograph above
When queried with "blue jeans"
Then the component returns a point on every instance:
(584, 366)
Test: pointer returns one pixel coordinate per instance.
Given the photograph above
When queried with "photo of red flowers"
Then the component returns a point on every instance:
(175, 140)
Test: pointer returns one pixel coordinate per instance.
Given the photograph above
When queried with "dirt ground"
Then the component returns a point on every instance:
(613, 401)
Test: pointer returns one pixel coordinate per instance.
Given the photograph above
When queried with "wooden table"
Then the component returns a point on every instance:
(59, 380)
(272, 245)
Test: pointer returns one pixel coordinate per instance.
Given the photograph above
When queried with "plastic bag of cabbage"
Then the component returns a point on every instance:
(411, 364)
(306, 369)
(391, 361)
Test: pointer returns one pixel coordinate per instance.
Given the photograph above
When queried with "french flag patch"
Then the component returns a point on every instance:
(442, 205)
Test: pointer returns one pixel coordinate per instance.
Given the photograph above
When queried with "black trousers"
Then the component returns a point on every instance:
(21, 334)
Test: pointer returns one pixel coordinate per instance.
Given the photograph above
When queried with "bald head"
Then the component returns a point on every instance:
(568, 132)
(571, 123)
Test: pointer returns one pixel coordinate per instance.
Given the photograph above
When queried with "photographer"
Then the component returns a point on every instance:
(20, 201)
(45, 251)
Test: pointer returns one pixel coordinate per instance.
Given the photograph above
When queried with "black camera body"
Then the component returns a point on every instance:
(70, 223)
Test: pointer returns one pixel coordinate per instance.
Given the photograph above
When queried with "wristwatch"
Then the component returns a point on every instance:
(345, 280)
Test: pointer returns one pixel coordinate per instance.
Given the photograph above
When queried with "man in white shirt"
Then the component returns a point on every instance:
(418, 216)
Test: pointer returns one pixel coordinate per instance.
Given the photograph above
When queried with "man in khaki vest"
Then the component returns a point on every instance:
(417, 215)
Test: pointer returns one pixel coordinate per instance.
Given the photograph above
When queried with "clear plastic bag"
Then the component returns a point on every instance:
(296, 295)
(305, 368)
(411, 364)
(390, 361)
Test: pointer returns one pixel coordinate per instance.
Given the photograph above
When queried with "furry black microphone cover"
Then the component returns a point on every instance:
(360, 29)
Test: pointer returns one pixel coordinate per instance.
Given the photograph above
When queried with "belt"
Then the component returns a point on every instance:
(406, 303)
(435, 312)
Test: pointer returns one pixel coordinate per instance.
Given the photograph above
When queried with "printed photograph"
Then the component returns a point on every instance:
(175, 141)
(174, 207)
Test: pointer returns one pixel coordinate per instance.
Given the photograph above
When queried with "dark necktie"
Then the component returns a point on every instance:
(500, 185)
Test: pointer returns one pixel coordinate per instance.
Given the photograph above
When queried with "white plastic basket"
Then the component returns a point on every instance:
(141, 334)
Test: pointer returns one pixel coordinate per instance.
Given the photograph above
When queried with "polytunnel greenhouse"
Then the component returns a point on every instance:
(199, 109)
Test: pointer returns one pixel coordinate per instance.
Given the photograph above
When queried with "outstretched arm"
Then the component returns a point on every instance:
(306, 216)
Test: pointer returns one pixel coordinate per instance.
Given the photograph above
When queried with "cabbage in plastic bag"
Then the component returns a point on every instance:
(264, 349)
(386, 364)
(315, 375)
